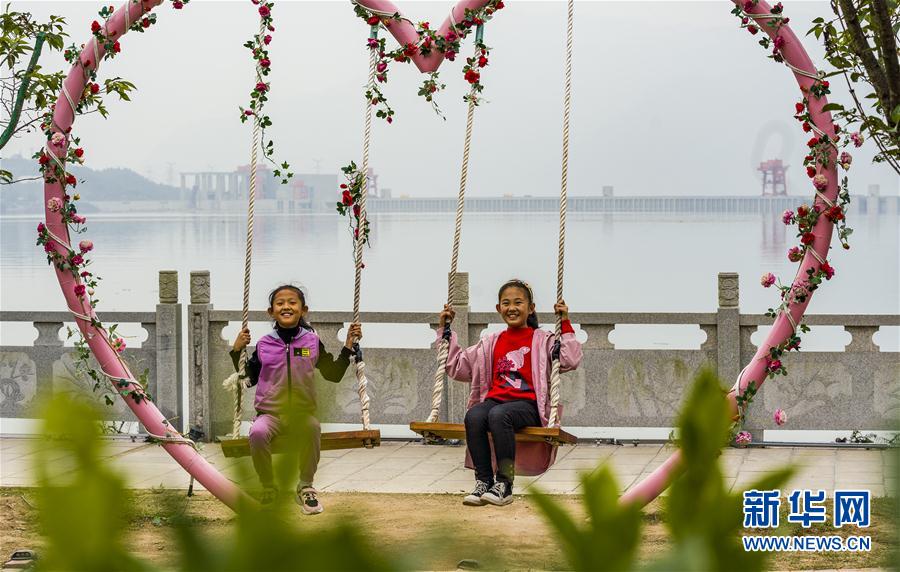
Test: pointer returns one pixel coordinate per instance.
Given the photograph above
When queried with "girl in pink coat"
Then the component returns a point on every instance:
(510, 374)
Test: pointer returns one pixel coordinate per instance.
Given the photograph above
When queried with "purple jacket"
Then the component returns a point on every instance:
(475, 365)
(284, 371)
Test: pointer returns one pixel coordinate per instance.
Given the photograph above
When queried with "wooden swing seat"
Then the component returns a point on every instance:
(240, 447)
(552, 435)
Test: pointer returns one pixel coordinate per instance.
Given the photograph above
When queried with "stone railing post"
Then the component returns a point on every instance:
(169, 381)
(458, 393)
(199, 392)
(728, 338)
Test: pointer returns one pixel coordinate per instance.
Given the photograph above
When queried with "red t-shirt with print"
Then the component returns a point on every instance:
(512, 377)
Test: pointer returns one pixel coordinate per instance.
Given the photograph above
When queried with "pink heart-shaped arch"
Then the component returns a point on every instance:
(405, 33)
(150, 417)
(795, 55)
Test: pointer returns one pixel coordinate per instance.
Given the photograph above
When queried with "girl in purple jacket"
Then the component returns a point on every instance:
(282, 369)
(510, 373)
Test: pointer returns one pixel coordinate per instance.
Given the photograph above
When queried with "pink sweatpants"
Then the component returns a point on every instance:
(265, 428)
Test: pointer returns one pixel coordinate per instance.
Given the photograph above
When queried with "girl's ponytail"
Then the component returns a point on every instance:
(532, 321)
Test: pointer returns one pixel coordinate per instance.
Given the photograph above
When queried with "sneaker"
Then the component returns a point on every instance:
(308, 501)
(499, 495)
(474, 498)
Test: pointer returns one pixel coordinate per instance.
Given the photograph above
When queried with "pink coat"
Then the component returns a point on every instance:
(475, 365)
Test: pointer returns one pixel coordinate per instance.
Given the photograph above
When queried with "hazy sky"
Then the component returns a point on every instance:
(669, 98)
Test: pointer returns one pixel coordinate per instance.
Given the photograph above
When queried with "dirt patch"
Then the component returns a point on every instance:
(435, 531)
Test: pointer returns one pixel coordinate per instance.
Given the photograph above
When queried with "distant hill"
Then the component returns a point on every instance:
(106, 185)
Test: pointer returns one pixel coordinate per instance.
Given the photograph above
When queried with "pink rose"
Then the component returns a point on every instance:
(775, 365)
(58, 139)
(767, 279)
(820, 182)
(780, 417)
(743, 438)
(795, 254)
(267, 39)
(857, 139)
(264, 11)
(846, 160)
(78, 219)
(54, 204)
(261, 87)
(787, 217)
(264, 63)
(77, 260)
(41, 228)
(86, 246)
(119, 345)
(372, 43)
(381, 67)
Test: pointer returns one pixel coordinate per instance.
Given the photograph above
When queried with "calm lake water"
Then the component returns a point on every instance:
(621, 262)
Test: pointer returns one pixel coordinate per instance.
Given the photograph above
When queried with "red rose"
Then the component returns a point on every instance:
(70, 180)
(802, 211)
(145, 22)
(752, 29)
(177, 5)
(261, 87)
(812, 142)
(808, 238)
(95, 26)
(373, 20)
(347, 198)
(264, 11)
(117, 48)
(472, 76)
(79, 152)
(264, 63)
(356, 210)
(43, 159)
(500, 5)
(837, 128)
(825, 84)
(807, 127)
(828, 270)
(810, 172)
(95, 88)
(482, 61)
(799, 107)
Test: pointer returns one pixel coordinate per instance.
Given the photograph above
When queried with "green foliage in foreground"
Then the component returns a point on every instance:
(84, 511)
(703, 518)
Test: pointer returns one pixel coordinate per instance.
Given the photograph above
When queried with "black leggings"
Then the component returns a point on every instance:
(502, 419)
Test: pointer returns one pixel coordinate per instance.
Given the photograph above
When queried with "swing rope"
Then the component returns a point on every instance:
(440, 373)
(563, 206)
(361, 381)
(235, 382)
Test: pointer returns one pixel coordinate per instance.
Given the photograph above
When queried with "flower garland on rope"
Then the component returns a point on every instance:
(818, 159)
(428, 42)
(63, 148)
(258, 46)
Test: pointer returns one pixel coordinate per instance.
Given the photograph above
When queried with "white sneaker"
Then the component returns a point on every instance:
(474, 498)
(309, 501)
(499, 495)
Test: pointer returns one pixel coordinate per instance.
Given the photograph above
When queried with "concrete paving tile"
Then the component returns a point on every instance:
(857, 479)
(347, 485)
(452, 486)
(591, 451)
(859, 466)
(813, 452)
(399, 463)
(23, 481)
(639, 450)
(414, 450)
(563, 475)
(428, 468)
(581, 464)
(768, 452)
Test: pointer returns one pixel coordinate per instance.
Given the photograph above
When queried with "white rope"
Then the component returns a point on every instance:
(825, 199)
(563, 206)
(235, 383)
(819, 75)
(440, 373)
(361, 381)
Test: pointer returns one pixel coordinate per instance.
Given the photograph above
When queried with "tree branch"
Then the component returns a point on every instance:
(20, 99)
(860, 47)
(886, 41)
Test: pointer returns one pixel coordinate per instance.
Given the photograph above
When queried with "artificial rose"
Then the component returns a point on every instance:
(86, 246)
(795, 254)
(828, 270)
(743, 438)
(857, 139)
(79, 290)
(54, 204)
(808, 238)
(767, 279)
(787, 217)
(820, 182)
(780, 417)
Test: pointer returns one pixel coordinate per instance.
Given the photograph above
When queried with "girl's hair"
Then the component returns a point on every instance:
(300, 294)
(532, 321)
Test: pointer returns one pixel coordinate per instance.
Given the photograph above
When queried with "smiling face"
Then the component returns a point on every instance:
(287, 308)
(515, 306)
